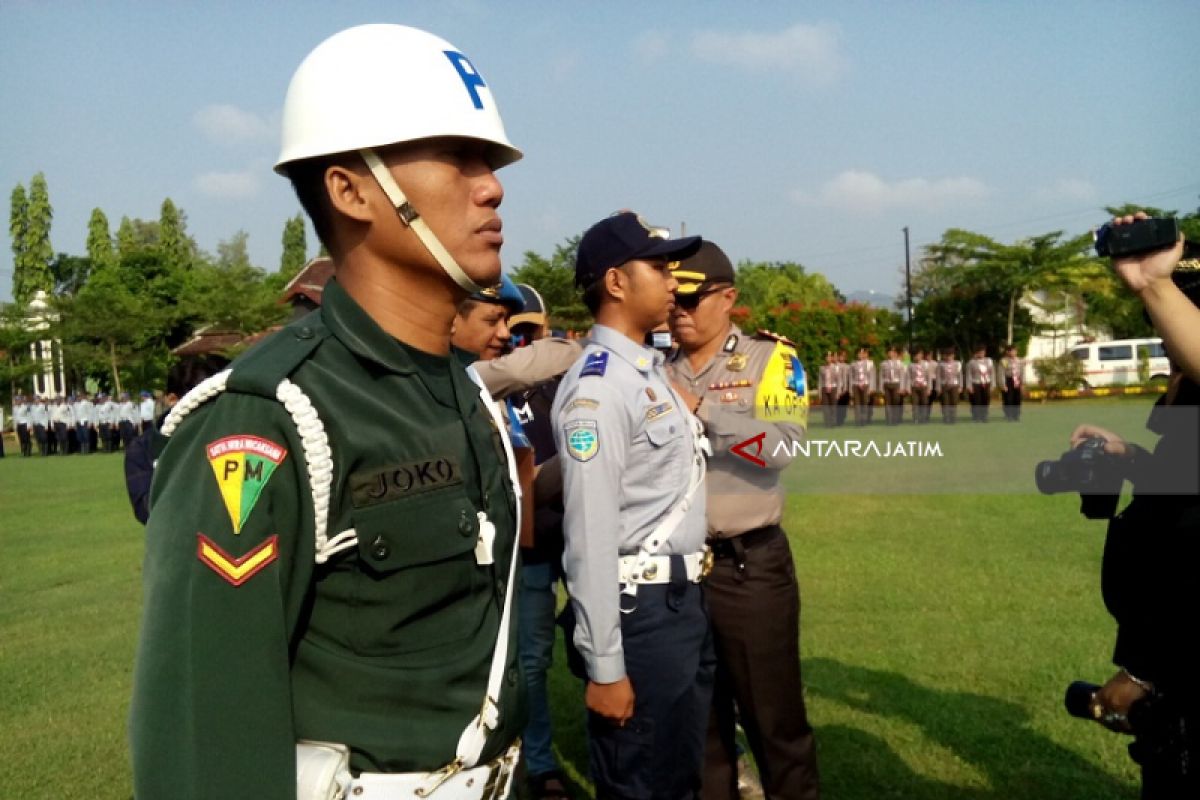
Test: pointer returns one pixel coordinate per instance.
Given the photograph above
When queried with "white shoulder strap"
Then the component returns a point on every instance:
(318, 456)
(474, 736)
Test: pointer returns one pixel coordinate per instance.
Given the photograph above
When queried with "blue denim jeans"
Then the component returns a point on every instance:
(535, 609)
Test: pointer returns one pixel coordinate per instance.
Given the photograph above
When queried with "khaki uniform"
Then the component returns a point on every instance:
(862, 385)
(1012, 378)
(949, 383)
(921, 376)
(980, 374)
(831, 382)
(893, 377)
(754, 406)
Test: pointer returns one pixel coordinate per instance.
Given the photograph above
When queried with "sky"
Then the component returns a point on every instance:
(807, 132)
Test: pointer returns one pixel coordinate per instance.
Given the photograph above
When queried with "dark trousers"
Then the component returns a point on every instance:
(84, 434)
(862, 405)
(893, 407)
(658, 754)
(147, 425)
(24, 440)
(1012, 400)
(127, 431)
(843, 404)
(829, 406)
(920, 404)
(981, 399)
(62, 437)
(43, 441)
(949, 398)
(754, 602)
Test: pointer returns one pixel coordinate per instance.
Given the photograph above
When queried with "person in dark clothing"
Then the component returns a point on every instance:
(1148, 584)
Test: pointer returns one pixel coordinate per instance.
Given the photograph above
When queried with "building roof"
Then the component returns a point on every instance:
(310, 281)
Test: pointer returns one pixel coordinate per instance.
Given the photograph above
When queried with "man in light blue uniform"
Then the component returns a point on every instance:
(633, 492)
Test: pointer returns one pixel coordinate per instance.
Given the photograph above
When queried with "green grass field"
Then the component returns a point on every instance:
(939, 629)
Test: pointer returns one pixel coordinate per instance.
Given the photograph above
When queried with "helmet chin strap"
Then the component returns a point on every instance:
(410, 217)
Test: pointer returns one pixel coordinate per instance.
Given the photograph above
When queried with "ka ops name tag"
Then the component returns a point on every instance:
(242, 466)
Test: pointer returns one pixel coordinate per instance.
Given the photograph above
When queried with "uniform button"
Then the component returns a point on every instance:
(512, 676)
(304, 332)
(464, 525)
(380, 549)
(487, 499)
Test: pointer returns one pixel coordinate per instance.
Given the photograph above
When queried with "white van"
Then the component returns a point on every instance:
(1116, 362)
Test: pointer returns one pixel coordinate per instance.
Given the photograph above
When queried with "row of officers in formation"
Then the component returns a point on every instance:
(79, 424)
(920, 381)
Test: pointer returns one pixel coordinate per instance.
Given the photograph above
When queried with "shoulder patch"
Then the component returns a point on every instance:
(583, 438)
(595, 364)
(242, 465)
(762, 333)
(236, 571)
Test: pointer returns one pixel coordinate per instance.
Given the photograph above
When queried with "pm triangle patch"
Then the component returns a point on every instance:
(242, 465)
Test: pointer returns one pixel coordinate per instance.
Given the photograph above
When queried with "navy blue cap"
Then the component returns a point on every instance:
(506, 294)
(624, 237)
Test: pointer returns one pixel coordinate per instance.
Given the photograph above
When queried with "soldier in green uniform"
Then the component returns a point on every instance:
(750, 393)
(331, 546)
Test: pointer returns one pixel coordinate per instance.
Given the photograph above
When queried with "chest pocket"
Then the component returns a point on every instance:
(416, 583)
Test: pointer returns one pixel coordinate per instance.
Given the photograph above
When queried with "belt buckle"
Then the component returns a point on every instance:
(706, 563)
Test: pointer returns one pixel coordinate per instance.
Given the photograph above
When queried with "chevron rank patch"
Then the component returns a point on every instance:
(242, 465)
(236, 570)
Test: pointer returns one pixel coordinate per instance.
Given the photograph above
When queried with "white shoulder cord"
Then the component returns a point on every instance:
(410, 217)
(474, 737)
(659, 536)
(318, 457)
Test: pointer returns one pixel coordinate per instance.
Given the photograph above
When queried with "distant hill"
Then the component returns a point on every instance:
(872, 298)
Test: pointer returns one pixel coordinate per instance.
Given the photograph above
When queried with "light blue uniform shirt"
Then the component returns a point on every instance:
(627, 447)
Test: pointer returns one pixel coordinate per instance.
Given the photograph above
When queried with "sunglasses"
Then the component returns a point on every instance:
(690, 302)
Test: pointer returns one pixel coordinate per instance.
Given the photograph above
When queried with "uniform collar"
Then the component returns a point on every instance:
(643, 359)
(354, 328)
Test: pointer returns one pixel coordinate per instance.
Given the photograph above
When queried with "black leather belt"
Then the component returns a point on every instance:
(736, 546)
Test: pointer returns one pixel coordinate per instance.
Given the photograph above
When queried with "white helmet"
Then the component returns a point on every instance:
(377, 85)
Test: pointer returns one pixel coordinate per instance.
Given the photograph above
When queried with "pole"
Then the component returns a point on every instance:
(908, 289)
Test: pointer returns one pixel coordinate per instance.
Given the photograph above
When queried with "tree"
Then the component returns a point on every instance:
(70, 273)
(769, 284)
(16, 367)
(128, 241)
(554, 280)
(295, 248)
(99, 240)
(17, 223)
(178, 250)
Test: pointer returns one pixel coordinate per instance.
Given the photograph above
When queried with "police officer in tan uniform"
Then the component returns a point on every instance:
(1012, 374)
(980, 371)
(862, 385)
(749, 391)
(949, 382)
(920, 378)
(843, 401)
(831, 381)
(893, 377)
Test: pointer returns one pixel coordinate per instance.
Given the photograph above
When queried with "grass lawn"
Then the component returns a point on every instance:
(939, 628)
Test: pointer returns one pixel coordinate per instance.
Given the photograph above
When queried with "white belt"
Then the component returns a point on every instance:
(658, 568)
(328, 777)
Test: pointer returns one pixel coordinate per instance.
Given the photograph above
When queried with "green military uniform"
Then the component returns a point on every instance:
(249, 644)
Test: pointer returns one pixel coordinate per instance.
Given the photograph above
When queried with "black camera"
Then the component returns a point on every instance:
(1086, 469)
(1139, 236)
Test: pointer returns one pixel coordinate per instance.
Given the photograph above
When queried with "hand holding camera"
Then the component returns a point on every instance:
(1143, 249)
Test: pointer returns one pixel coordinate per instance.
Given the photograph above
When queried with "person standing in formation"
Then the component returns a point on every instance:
(747, 388)
(106, 422)
(949, 382)
(632, 458)
(332, 540)
(830, 381)
(1012, 371)
(22, 421)
(843, 402)
(146, 412)
(893, 377)
(127, 420)
(980, 372)
(863, 385)
(920, 377)
(85, 423)
(63, 420)
(39, 417)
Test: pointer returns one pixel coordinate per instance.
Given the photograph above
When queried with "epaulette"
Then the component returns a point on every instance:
(762, 333)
